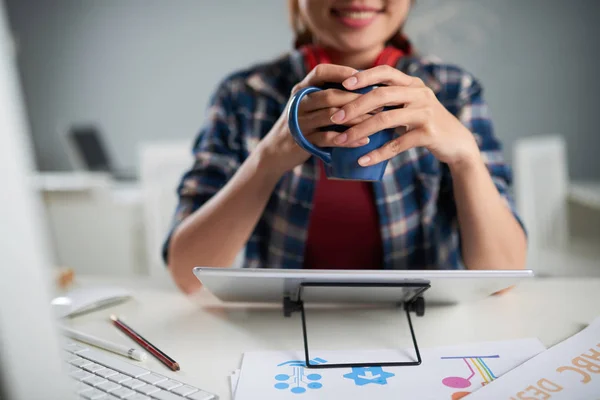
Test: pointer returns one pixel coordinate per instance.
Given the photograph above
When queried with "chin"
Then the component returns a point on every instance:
(353, 44)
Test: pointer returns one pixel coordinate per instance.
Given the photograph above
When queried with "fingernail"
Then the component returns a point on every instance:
(338, 116)
(350, 82)
(364, 161)
(341, 139)
(364, 141)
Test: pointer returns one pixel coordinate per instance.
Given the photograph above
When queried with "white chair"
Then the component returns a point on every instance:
(162, 165)
(541, 183)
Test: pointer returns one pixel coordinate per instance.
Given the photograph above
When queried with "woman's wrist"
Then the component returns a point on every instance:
(469, 161)
(266, 163)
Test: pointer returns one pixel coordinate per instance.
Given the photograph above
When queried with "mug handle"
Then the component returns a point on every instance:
(295, 126)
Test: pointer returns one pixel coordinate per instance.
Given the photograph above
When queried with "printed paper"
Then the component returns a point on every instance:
(445, 373)
(569, 370)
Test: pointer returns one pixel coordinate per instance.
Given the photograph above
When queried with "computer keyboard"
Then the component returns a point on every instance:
(100, 376)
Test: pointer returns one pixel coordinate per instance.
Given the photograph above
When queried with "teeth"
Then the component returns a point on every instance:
(358, 14)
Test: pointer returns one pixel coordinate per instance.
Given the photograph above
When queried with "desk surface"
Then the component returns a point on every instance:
(586, 193)
(78, 182)
(208, 338)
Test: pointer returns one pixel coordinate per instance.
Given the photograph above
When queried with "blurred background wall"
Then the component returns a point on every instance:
(144, 69)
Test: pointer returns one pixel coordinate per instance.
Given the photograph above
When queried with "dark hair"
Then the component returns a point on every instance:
(303, 36)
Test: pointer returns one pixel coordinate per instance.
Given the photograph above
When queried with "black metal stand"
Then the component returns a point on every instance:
(416, 304)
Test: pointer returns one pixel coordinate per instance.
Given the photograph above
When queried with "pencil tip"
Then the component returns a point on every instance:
(176, 367)
(113, 317)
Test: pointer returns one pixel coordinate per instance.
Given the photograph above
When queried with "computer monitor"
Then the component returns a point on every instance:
(30, 362)
(89, 149)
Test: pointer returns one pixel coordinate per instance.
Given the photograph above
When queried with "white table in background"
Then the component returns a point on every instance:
(208, 337)
(95, 222)
(586, 193)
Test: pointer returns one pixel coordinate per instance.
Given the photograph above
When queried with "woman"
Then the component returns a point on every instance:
(443, 202)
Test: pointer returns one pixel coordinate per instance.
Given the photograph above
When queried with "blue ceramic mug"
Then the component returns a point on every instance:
(340, 162)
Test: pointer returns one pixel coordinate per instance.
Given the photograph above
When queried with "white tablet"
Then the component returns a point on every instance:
(361, 286)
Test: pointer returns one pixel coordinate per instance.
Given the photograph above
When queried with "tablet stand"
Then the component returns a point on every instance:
(415, 304)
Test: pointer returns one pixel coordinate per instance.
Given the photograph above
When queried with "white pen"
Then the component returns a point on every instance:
(106, 345)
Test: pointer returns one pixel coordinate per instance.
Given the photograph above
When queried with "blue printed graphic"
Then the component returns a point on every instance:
(297, 380)
(364, 376)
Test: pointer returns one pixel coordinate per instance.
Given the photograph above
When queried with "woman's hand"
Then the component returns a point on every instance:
(422, 121)
(279, 150)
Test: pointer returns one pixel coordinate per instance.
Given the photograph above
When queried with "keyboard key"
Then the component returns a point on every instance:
(184, 390)
(74, 347)
(68, 357)
(201, 395)
(138, 396)
(72, 368)
(81, 362)
(80, 375)
(147, 389)
(93, 367)
(94, 394)
(106, 372)
(164, 395)
(153, 379)
(94, 380)
(133, 384)
(81, 387)
(122, 393)
(169, 385)
(108, 386)
(119, 378)
(114, 363)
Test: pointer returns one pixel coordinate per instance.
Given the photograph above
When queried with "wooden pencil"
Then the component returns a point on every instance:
(155, 351)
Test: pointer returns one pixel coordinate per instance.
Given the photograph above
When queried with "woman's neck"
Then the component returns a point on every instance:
(359, 60)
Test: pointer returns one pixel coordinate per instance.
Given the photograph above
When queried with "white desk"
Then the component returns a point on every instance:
(586, 193)
(208, 338)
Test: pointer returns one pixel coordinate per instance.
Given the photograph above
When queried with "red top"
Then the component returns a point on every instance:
(344, 231)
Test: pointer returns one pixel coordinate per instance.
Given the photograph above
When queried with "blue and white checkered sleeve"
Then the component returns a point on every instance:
(475, 115)
(216, 152)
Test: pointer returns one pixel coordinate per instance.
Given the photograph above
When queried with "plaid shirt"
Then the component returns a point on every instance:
(415, 201)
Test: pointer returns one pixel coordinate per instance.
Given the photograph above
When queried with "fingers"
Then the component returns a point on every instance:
(377, 99)
(413, 117)
(326, 139)
(414, 138)
(317, 119)
(357, 120)
(326, 99)
(323, 73)
(383, 74)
